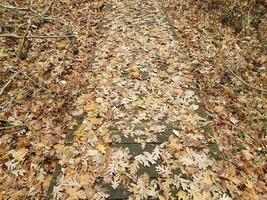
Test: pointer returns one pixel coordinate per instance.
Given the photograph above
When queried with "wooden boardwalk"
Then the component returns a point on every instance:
(127, 145)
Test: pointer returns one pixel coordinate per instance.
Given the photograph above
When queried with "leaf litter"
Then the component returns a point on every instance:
(139, 88)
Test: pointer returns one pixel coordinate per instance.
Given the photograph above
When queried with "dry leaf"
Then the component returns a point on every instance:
(101, 148)
(181, 195)
(20, 154)
(75, 194)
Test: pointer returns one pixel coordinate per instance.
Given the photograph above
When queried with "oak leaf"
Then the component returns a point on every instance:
(75, 194)
(20, 154)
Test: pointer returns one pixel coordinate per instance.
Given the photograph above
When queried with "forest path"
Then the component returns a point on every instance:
(143, 132)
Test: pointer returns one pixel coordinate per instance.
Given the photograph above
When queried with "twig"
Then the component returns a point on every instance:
(14, 8)
(7, 84)
(21, 25)
(24, 39)
(9, 127)
(244, 82)
(29, 9)
(48, 8)
(38, 36)
(17, 70)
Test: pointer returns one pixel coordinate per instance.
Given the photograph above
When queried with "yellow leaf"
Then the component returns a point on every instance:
(91, 107)
(207, 179)
(3, 53)
(161, 197)
(247, 155)
(79, 135)
(181, 195)
(248, 184)
(138, 102)
(67, 154)
(135, 73)
(20, 154)
(59, 148)
(219, 109)
(96, 121)
(101, 148)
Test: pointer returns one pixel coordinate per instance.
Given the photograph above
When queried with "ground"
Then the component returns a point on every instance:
(135, 108)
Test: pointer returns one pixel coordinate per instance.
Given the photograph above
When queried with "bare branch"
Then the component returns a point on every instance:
(36, 36)
(14, 8)
(24, 39)
(242, 81)
(8, 83)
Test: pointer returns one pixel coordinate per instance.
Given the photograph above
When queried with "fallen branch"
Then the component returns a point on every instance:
(8, 83)
(38, 37)
(29, 9)
(21, 55)
(242, 81)
(18, 71)
(13, 126)
(14, 8)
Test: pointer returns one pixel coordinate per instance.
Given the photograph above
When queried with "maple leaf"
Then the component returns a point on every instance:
(75, 194)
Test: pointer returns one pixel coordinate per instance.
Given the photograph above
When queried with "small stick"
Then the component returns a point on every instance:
(7, 84)
(48, 8)
(38, 37)
(259, 89)
(31, 10)
(24, 39)
(14, 8)
(21, 25)
(13, 126)
(17, 70)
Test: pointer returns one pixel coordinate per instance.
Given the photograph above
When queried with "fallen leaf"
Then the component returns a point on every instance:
(181, 195)
(91, 107)
(248, 184)
(176, 132)
(101, 148)
(3, 53)
(75, 194)
(20, 154)
(96, 121)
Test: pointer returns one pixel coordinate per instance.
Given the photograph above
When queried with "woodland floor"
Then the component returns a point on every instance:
(146, 101)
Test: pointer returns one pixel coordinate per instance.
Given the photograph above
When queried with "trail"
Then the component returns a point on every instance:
(141, 137)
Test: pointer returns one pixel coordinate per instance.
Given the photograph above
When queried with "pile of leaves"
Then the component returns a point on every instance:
(143, 131)
(45, 52)
(242, 16)
(230, 70)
